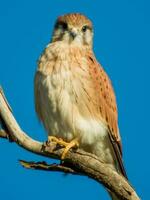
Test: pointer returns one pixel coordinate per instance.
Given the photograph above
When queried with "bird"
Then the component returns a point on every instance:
(74, 97)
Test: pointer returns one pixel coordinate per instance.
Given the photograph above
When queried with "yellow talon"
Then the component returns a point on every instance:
(73, 143)
(57, 140)
(67, 145)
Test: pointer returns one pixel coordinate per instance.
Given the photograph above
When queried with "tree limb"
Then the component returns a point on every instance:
(3, 134)
(46, 167)
(75, 162)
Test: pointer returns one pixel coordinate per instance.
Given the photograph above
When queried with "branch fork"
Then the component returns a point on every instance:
(77, 162)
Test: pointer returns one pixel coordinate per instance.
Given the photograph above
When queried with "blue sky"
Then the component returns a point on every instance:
(121, 44)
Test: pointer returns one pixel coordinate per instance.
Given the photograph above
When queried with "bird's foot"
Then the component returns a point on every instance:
(67, 145)
(59, 141)
(73, 143)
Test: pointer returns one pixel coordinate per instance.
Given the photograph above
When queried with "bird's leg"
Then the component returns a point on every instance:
(73, 143)
(59, 141)
(67, 145)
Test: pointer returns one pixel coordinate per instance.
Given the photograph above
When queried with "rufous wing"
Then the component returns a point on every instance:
(107, 106)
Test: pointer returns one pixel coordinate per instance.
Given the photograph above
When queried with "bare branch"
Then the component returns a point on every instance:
(79, 161)
(3, 134)
(2, 93)
(44, 166)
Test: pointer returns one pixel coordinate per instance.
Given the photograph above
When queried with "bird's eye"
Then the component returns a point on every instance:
(62, 25)
(84, 28)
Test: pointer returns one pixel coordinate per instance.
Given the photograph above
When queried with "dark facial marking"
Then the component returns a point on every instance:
(85, 28)
(62, 25)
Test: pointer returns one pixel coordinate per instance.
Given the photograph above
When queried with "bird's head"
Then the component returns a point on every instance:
(73, 29)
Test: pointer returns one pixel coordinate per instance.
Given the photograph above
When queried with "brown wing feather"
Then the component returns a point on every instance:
(108, 107)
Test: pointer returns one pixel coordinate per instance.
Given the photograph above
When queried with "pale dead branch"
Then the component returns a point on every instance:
(75, 162)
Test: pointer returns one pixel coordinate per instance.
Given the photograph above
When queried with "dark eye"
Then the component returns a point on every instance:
(84, 28)
(62, 25)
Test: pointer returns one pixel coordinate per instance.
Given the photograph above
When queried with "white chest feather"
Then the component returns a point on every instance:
(61, 105)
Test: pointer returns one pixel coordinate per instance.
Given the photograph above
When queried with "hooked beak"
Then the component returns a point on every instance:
(73, 34)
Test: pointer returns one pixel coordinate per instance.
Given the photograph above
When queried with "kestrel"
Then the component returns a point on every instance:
(74, 97)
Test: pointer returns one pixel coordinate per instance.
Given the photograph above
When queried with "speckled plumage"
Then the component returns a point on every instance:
(74, 97)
